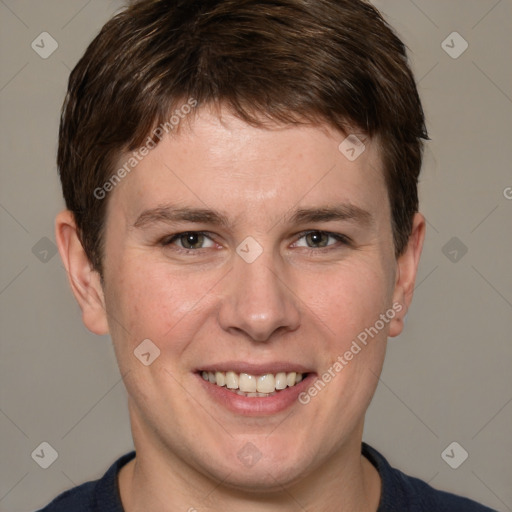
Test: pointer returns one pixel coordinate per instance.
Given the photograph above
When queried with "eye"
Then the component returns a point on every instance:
(192, 241)
(189, 240)
(320, 239)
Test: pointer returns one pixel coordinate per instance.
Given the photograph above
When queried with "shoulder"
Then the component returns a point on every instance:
(78, 499)
(94, 496)
(403, 492)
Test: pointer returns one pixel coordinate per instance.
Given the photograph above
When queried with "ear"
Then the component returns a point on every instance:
(407, 267)
(84, 280)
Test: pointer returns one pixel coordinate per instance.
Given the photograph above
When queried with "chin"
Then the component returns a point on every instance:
(249, 469)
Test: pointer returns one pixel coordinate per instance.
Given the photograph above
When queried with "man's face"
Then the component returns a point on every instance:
(276, 288)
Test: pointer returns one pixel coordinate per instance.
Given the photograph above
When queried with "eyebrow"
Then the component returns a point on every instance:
(173, 214)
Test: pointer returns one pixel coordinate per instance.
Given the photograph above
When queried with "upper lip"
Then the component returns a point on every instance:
(255, 368)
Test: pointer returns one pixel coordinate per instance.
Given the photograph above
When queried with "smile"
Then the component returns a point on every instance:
(248, 385)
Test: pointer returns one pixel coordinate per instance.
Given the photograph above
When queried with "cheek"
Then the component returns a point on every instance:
(347, 300)
(147, 301)
(353, 347)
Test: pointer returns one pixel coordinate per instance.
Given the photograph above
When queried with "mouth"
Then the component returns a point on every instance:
(253, 386)
(255, 389)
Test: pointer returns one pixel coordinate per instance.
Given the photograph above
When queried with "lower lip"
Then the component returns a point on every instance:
(256, 406)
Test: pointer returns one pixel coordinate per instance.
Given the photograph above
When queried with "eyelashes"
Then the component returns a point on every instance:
(342, 239)
(192, 238)
(187, 234)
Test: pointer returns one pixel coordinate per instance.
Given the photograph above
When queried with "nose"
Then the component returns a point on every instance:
(258, 301)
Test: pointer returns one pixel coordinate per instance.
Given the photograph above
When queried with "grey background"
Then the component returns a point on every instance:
(446, 378)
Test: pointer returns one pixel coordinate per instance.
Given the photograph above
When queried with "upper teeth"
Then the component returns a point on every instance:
(248, 383)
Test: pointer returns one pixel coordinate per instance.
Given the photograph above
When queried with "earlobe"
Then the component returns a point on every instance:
(84, 280)
(407, 268)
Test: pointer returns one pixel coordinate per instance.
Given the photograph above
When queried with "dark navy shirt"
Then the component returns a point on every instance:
(400, 493)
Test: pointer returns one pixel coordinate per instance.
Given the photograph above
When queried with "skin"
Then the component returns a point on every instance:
(293, 303)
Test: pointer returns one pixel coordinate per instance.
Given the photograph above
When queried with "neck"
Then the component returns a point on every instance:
(160, 481)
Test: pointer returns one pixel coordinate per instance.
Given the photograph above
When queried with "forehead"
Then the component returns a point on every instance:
(217, 161)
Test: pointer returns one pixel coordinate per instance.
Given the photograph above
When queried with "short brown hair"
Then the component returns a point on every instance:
(291, 61)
